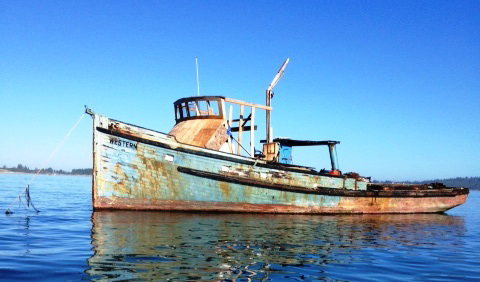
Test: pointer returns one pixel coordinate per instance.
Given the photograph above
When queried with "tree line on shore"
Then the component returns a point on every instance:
(25, 169)
(467, 182)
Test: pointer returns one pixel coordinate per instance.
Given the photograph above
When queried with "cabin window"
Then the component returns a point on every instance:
(177, 113)
(185, 112)
(193, 109)
(197, 108)
(213, 108)
(204, 108)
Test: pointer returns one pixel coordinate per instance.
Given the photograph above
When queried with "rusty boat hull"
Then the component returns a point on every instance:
(135, 168)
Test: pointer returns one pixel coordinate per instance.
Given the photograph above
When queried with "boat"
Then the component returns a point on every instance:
(208, 163)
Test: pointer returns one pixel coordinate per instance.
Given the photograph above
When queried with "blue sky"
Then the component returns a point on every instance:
(397, 82)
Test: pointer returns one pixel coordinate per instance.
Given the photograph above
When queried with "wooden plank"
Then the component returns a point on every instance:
(222, 104)
(252, 136)
(247, 119)
(243, 128)
(197, 111)
(247, 104)
(240, 131)
(230, 113)
(208, 133)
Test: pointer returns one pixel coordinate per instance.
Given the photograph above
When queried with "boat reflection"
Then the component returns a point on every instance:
(161, 245)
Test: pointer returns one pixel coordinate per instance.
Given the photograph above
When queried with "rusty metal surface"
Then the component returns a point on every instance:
(136, 168)
(411, 192)
(344, 206)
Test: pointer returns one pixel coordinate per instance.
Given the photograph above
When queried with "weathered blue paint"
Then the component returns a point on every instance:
(123, 178)
(285, 154)
(137, 175)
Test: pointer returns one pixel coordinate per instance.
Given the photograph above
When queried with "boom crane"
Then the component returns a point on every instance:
(269, 95)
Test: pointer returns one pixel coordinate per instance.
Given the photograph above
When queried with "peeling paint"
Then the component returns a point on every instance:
(142, 170)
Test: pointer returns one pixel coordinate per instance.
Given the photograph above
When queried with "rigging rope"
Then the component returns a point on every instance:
(26, 191)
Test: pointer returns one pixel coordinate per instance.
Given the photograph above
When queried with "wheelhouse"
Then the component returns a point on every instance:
(200, 107)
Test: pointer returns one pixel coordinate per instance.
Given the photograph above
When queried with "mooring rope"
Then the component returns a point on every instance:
(26, 191)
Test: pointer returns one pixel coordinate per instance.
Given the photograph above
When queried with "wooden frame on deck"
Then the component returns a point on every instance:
(188, 108)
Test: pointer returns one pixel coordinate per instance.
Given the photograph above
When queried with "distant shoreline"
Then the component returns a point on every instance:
(469, 182)
(11, 173)
(6, 171)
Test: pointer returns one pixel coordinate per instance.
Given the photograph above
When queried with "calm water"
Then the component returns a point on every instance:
(67, 241)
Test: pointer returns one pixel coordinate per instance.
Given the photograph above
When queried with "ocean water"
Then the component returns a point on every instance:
(66, 241)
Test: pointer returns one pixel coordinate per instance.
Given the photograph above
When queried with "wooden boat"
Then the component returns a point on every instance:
(201, 166)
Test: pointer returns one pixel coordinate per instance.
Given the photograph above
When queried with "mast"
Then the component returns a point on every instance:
(198, 84)
(269, 95)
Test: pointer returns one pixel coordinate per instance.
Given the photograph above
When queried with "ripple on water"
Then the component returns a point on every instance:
(66, 241)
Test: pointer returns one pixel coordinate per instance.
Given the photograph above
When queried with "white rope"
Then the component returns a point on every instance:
(47, 161)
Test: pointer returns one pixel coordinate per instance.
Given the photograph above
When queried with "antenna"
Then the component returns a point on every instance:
(198, 84)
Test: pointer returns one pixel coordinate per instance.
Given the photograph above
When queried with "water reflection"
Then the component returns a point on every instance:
(160, 246)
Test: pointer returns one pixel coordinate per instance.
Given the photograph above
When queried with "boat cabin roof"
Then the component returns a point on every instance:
(199, 107)
(292, 142)
(191, 98)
